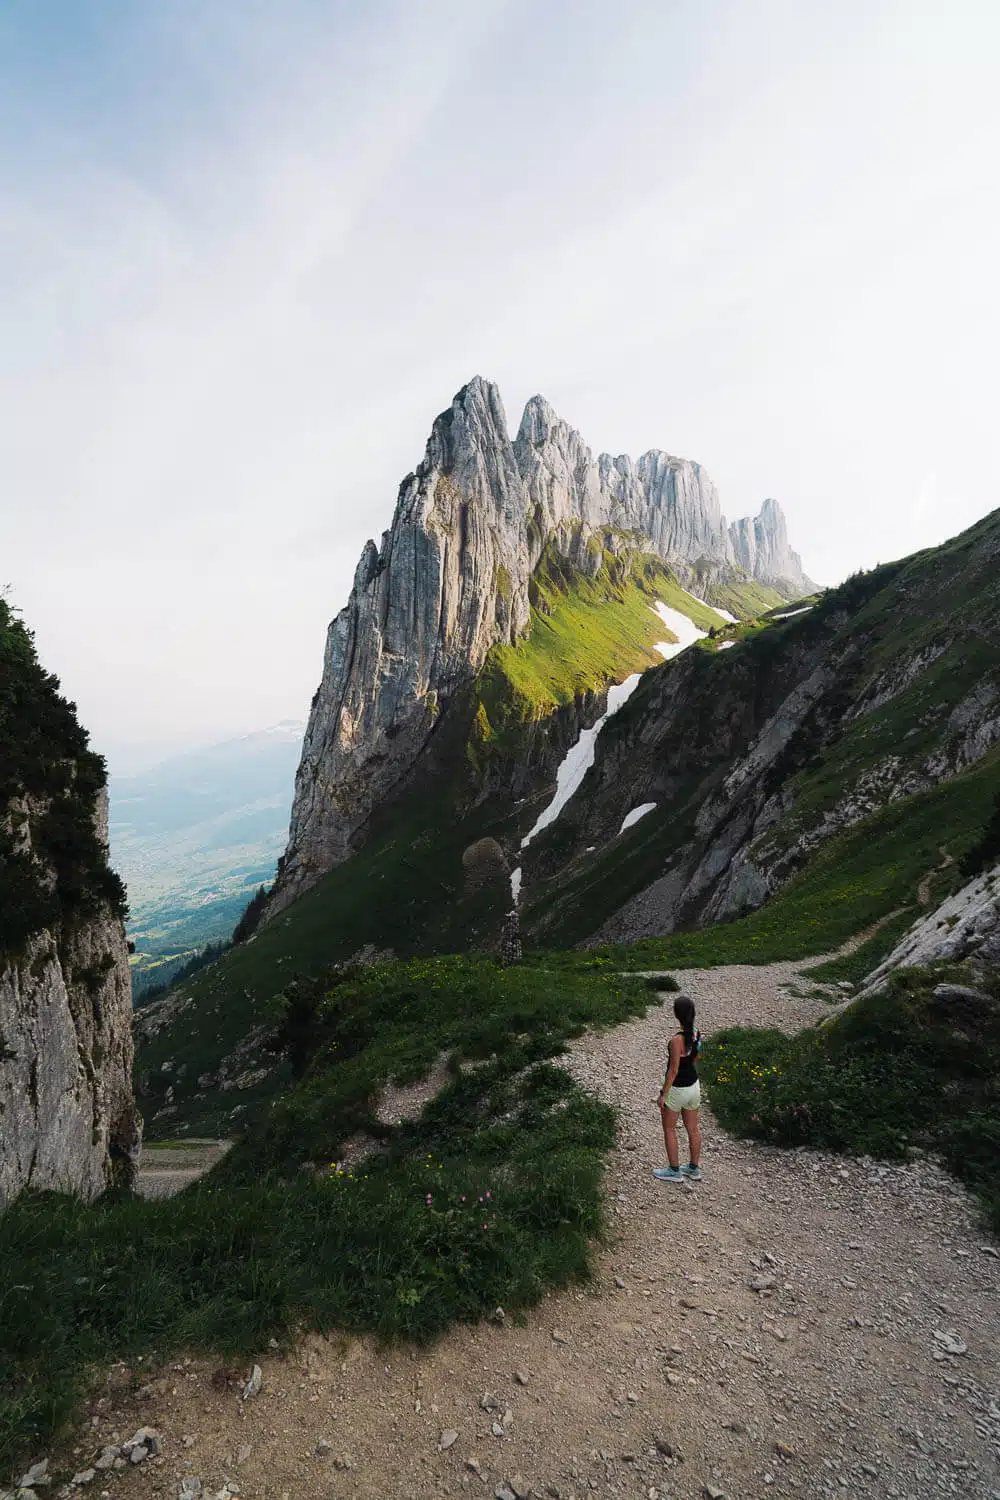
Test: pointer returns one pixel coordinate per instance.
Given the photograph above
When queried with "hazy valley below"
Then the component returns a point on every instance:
(194, 837)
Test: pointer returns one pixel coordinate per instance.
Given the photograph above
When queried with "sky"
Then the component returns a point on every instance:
(250, 248)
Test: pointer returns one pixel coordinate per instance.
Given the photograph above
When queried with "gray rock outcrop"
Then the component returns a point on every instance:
(965, 926)
(451, 580)
(67, 1115)
(760, 547)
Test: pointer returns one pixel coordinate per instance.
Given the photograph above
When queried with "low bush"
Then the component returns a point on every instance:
(897, 1070)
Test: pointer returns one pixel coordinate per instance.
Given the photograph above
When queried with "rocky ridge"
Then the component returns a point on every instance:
(452, 579)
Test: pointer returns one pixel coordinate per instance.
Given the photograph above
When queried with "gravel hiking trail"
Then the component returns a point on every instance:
(796, 1325)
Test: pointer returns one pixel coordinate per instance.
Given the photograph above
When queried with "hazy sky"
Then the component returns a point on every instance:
(249, 248)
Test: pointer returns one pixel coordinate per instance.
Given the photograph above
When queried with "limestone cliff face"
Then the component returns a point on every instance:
(760, 547)
(451, 580)
(67, 1115)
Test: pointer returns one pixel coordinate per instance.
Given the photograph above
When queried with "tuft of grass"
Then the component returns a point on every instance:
(491, 1197)
(896, 1071)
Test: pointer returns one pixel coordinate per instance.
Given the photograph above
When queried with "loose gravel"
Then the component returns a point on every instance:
(795, 1325)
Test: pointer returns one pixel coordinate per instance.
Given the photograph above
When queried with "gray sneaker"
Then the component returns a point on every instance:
(691, 1172)
(668, 1174)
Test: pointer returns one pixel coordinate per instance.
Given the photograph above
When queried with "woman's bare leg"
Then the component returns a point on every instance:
(693, 1127)
(669, 1117)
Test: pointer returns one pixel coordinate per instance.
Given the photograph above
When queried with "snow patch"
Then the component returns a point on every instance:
(725, 645)
(580, 757)
(793, 612)
(637, 812)
(679, 625)
(715, 607)
(515, 886)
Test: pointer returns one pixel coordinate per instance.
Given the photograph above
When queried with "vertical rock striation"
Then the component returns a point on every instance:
(451, 580)
(67, 1115)
(760, 547)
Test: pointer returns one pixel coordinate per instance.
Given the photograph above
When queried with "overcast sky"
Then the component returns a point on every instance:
(249, 248)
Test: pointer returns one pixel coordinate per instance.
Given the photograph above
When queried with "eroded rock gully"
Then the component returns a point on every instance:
(670, 1376)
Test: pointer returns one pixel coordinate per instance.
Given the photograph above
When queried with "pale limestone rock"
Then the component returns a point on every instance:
(965, 926)
(451, 580)
(760, 546)
(67, 1115)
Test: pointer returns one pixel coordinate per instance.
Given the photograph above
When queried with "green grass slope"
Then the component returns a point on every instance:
(858, 879)
(492, 1197)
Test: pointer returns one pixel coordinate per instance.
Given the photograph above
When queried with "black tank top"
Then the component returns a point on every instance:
(687, 1072)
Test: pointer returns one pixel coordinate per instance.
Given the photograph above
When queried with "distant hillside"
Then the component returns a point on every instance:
(194, 837)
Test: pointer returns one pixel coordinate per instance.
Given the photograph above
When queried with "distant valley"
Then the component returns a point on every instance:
(194, 837)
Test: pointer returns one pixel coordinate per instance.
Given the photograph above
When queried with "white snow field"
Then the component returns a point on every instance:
(725, 645)
(793, 612)
(679, 625)
(633, 817)
(723, 612)
(580, 757)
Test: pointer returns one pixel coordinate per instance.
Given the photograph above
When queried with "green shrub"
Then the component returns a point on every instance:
(897, 1070)
(44, 756)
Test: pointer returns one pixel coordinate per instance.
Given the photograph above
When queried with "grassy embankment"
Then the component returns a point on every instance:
(490, 1198)
(897, 1071)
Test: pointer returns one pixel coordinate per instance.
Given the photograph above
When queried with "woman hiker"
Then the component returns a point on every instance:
(681, 1095)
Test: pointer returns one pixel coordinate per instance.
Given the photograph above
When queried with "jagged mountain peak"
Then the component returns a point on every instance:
(451, 581)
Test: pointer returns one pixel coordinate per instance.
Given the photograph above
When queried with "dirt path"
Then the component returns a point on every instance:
(164, 1170)
(670, 1378)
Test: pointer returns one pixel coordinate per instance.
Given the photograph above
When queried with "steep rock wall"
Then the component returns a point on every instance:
(451, 580)
(67, 1115)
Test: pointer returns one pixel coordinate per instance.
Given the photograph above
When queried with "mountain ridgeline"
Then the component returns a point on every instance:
(454, 578)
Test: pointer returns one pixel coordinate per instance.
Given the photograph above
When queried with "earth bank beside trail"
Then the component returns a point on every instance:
(786, 1327)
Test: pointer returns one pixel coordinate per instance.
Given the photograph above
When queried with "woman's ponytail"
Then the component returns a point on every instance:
(684, 1011)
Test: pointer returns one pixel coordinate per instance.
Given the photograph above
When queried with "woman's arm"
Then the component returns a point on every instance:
(673, 1063)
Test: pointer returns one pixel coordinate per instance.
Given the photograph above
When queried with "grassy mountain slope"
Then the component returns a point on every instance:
(862, 877)
(896, 675)
(487, 771)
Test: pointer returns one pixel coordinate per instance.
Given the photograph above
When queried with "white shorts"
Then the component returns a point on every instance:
(687, 1098)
